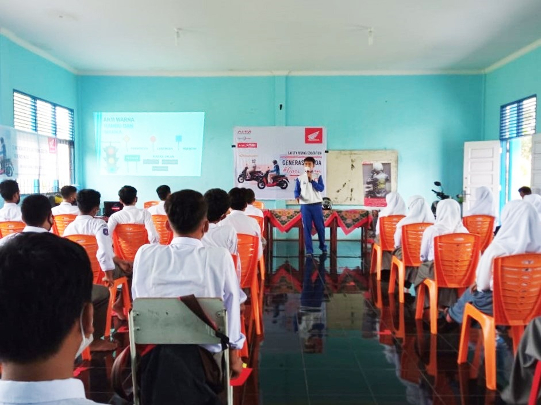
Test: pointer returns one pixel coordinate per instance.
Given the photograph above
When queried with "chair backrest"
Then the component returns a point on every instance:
(482, 225)
(387, 228)
(412, 235)
(260, 221)
(248, 246)
(517, 288)
(166, 236)
(61, 222)
(127, 239)
(259, 204)
(149, 204)
(455, 259)
(8, 227)
(90, 244)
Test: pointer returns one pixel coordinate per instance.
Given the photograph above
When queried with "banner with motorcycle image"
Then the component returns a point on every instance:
(269, 159)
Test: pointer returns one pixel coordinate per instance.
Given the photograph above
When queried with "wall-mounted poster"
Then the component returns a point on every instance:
(377, 183)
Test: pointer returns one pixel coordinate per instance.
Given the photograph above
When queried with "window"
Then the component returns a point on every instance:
(53, 121)
(517, 125)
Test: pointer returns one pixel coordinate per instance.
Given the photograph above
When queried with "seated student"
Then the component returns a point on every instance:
(68, 206)
(219, 234)
(535, 201)
(9, 190)
(238, 219)
(484, 203)
(250, 199)
(418, 211)
(395, 206)
(448, 220)
(187, 267)
(130, 214)
(163, 192)
(523, 191)
(41, 339)
(113, 267)
(519, 233)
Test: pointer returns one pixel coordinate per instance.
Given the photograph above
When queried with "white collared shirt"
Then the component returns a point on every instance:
(158, 209)
(88, 225)
(27, 228)
(55, 392)
(242, 223)
(187, 267)
(253, 211)
(130, 214)
(65, 208)
(221, 236)
(10, 212)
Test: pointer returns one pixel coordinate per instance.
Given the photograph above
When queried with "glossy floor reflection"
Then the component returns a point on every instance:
(334, 336)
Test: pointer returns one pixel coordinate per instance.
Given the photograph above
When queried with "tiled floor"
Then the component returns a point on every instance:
(330, 340)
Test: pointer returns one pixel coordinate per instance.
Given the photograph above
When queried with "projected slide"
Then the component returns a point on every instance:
(150, 144)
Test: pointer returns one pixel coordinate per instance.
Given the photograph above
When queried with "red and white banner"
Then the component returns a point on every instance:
(269, 159)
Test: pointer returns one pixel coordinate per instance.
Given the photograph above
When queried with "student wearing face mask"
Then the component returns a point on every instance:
(308, 188)
(41, 339)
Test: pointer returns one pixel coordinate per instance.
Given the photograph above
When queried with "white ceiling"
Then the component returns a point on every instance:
(277, 35)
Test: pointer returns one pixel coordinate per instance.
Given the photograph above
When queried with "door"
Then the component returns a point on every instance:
(481, 168)
(536, 164)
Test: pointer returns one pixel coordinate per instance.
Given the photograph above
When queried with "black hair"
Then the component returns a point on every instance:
(218, 202)
(238, 198)
(67, 191)
(250, 195)
(163, 192)
(310, 159)
(274, 162)
(185, 210)
(525, 190)
(35, 209)
(127, 194)
(87, 200)
(8, 188)
(45, 281)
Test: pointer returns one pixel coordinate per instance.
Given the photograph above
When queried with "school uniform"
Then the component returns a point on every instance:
(242, 223)
(70, 391)
(10, 212)
(309, 195)
(535, 200)
(395, 206)
(65, 208)
(253, 211)
(130, 214)
(158, 209)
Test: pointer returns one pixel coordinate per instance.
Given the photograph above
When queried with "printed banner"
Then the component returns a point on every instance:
(377, 183)
(269, 159)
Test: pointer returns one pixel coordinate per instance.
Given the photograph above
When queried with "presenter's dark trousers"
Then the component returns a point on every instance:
(313, 214)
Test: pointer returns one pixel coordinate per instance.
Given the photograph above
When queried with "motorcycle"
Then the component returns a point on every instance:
(256, 175)
(442, 196)
(279, 180)
(7, 168)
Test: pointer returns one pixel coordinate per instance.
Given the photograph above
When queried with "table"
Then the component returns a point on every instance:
(286, 219)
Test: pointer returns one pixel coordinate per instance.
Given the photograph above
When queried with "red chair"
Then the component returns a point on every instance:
(482, 225)
(455, 260)
(387, 228)
(160, 221)
(248, 252)
(149, 204)
(9, 227)
(61, 222)
(412, 235)
(127, 239)
(516, 301)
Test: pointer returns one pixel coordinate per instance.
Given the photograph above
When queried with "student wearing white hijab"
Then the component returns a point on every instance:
(395, 206)
(484, 203)
(448, 220)
(520, 233)
(535, 200)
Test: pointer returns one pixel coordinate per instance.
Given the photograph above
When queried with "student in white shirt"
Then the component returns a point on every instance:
(238, 219)
(163, 192)
(250, 199)
(67, 207)
(187, 267)
(9, 190)
(219, 234)
(130, 214)
(41, 339)
(113, 267)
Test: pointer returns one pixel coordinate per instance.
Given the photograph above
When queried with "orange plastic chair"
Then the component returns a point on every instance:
(244, 352)
(482, 225)
(455, 261)
(89, 243)
(9, 227)
(61, 222)
(166, 236)
(387, 228)
(260, 222)
(149, 204)
(516, 301)
(412, 235)
(127, 239)
(259, 204)
(248, 252)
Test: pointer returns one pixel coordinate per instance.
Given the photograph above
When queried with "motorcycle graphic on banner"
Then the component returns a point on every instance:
(269, 159)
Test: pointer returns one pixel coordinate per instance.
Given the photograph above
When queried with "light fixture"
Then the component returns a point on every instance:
(371, 36)
(178, 33)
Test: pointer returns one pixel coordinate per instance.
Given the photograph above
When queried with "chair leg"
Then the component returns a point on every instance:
(373, 258)
(392, 276)
(489, 335)
(401, 281)
(379, 262)
(255, 307)
(433, 297)
(464, 338)
(421, 291)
